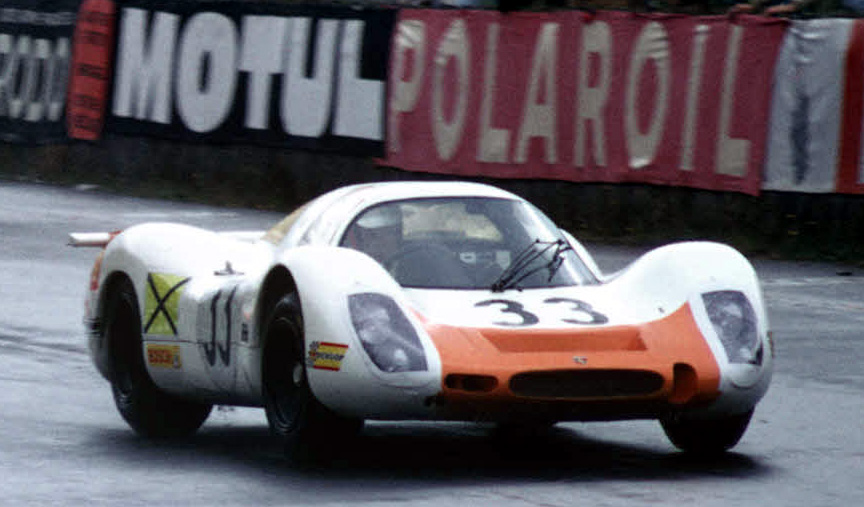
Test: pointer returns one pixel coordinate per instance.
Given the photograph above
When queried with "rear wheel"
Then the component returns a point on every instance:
(148, 410)
(706, 436)
(309, 431)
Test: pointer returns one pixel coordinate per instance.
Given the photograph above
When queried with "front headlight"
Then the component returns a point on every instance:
(735, 323)
(388, 338)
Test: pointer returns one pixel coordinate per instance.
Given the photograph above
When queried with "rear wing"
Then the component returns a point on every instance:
(101, 239)
(91, 239)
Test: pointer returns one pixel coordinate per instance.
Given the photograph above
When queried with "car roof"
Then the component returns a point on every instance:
(327, 213)
(398, 190)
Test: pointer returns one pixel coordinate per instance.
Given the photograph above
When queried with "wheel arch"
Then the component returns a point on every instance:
(104, 352)
(278, 282)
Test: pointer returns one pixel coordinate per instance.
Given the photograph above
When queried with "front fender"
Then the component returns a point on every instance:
(681, 274)
(671, 274)
(341, 374)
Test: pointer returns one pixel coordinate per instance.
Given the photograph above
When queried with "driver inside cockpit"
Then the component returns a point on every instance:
(377, 233)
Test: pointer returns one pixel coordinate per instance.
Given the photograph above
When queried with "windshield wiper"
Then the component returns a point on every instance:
(516, 271)
(557, 259)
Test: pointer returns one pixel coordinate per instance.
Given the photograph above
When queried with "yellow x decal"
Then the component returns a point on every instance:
(160, 305)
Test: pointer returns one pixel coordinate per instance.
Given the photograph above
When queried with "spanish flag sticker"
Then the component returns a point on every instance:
(326, 356)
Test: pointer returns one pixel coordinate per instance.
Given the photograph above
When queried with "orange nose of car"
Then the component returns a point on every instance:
(574, 374)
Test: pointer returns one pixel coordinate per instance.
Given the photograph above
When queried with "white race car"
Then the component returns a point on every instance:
(439, 301)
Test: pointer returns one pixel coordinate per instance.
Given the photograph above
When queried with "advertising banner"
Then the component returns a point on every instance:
(611, 96)
(90, 73)
(35, 45)
(807, 115)
(306, 77)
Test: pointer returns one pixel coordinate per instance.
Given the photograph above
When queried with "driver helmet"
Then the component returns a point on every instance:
(381, 217)
(379, 232)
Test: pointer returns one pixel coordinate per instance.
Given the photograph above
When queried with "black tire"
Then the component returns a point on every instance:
(706, 436)
(308, 431)
(523, 429)
(148, 410)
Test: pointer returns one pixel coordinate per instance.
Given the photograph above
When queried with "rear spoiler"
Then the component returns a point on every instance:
(91, 239)
(101, 239)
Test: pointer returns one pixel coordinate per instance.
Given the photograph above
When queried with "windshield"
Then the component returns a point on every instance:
(466, 243)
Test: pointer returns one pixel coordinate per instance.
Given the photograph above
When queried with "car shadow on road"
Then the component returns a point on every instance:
(428, 454)
(547, 454)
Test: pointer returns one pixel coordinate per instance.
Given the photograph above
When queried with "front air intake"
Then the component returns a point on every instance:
(586, 383)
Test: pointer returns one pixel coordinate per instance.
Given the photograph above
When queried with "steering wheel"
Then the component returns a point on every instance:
(431, 264)
(486, 273)
(427, 247)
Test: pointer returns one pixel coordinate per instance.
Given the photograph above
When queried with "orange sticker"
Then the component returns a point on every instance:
(164, 356)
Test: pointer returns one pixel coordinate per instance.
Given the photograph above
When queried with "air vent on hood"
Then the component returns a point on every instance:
(567, 340)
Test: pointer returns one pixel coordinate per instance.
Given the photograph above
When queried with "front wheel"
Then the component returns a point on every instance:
(309, 431)
(706, 436)
(148, 410)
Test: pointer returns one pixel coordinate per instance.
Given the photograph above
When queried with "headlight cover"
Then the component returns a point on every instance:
(388, 338)
(734, 321)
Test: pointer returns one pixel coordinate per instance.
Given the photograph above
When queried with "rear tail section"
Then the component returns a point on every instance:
(91, 239)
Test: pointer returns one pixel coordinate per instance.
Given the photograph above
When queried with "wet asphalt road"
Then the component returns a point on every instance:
(62, 442)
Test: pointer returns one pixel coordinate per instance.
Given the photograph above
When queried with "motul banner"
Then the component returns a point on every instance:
(35, 42)
(614, 97)
(308, 77)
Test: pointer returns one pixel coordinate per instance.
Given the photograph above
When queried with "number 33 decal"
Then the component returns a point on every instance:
(582, 312)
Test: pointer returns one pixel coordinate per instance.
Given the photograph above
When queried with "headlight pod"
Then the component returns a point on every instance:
(734, 321)
(388, 338)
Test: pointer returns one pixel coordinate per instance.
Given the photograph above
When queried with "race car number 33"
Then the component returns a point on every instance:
(578, 312)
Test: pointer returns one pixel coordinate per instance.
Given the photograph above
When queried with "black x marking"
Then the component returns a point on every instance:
(160, 303)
